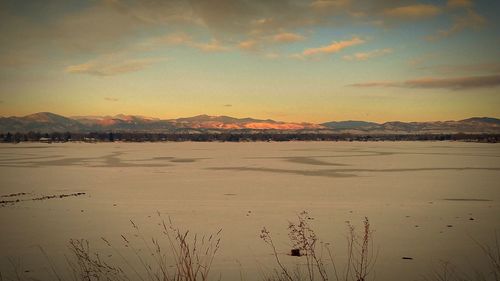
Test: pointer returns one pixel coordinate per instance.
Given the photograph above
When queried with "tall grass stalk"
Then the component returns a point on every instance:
(304, 241)
(176, 255)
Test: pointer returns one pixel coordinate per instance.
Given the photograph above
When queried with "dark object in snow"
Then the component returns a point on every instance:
(295, 253)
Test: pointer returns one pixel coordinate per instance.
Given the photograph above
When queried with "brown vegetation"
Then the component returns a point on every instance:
(360, 255)
(176, 256)
(448, 272)
(180, 256)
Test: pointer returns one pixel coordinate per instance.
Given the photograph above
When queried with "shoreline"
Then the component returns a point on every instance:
(127, 137)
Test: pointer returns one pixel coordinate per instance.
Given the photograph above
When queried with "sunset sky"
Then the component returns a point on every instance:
(292, 60)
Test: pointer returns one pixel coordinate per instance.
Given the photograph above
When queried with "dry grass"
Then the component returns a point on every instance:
(360, 255)
(449, 272)
(176, 255)
(87, 265)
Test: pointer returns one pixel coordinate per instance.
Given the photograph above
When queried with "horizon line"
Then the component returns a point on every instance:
(260, 119)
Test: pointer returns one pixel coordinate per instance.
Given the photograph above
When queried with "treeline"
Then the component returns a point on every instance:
(235, 137)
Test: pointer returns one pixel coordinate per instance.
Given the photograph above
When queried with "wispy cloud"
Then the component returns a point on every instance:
(228, 105)
(258, 43)
(371, 84)
(109, 66)
(210, 47)
(459, 3)
(272, 56)
(18, 58)
(111, 99)
(417, 11)
(475, 68)
(322, 4)
(334, 47)
(103, 27)
(248, 45)
(420, 59)
(178, 38)
(457, 83)
(367, 55)
(287, 37)
(181, 38)
(470, 19)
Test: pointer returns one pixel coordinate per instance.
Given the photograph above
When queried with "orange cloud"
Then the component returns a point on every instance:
(334, 47)
(287, 37)
(248, 45)
(413, 11)
(176, 39)
(183, 39)
(257, 43)
(368, 55)
(111, 65)
(210, 47)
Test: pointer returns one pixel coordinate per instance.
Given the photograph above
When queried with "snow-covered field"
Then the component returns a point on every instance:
(425, 200)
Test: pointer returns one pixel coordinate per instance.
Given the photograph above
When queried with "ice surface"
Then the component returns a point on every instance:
(410, 191)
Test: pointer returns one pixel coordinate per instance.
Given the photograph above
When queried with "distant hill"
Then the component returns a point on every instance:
(350, 124)
(50, 122)
(470, 125)
(122, 122)
(42, 121)
(226, 122)
(483, 120)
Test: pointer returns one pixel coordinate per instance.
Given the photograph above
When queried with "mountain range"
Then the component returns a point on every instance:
(50, 122)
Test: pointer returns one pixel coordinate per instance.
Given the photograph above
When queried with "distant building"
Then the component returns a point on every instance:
(43, 139)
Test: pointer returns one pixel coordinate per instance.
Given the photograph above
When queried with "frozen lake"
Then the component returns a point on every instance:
(425, 200)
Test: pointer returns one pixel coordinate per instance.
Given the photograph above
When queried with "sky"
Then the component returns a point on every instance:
(290, 60)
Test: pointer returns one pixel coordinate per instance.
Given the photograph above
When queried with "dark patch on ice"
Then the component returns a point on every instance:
(112, 160)
(312, 161)
(467, 199)
(450, 154)
(161, 158)
(80, 161)
(15, 194)
(358, 154)
(28, 158)
(337, 173)
(319, 173)
(24, 147)
(185, 160)
(7, 202)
